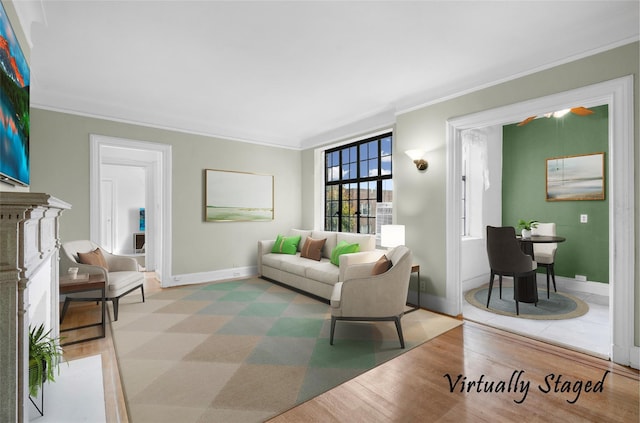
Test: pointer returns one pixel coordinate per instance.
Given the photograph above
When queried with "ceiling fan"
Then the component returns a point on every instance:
(580, 111)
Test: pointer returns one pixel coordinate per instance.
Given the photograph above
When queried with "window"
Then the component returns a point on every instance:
(474, 182)
(357, 177)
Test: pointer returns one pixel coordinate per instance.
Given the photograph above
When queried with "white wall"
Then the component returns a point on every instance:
(129, 197)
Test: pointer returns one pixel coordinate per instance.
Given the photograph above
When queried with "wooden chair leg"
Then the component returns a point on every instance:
(547, 266)
(142, 290)
(114, 301)
(500, 280)
(553, 277)
(490, 288)
(65, 307)
(399, 329)
(333, 328)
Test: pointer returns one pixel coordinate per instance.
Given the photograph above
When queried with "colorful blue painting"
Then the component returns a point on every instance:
(14, 106)
(142, 225)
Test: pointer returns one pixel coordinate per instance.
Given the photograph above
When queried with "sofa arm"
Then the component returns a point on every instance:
(264, 247)
(347, 260)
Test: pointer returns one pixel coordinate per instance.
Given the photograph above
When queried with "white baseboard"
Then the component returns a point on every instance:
(213, 276)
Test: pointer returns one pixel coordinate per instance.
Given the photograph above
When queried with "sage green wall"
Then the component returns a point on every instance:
(60, 166)
(524, 151)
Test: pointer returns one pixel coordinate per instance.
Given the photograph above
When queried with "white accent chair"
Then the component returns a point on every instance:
(545, 254)
(121, 278)
(383, 297)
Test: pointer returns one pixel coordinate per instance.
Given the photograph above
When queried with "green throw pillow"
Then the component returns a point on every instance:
(343, 247)
(286, 245)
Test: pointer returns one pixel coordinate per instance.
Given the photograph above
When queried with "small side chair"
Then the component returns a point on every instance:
(121, 274)
(545, 254)
(507, 259)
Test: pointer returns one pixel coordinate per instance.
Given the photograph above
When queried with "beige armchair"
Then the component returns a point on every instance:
(366, 297)
(121, 275)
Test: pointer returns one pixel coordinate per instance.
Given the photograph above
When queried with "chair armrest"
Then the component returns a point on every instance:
(347, 260)
(92, 270)
(120, 263)
(372, 296)
(357, 271)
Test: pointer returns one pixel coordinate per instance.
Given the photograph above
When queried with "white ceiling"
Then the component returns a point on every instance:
(296, 74)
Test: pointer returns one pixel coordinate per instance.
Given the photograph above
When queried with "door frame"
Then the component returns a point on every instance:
(618, 95)
(159, 194)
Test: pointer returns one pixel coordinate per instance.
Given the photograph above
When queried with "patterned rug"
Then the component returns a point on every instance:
(244, 351)
(559, 305)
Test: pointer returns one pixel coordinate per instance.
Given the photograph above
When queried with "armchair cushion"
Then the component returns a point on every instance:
(94, 258)
(382, 265)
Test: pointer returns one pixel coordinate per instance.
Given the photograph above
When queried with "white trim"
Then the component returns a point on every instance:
(618, 95)
(161, 174)
(212, 276)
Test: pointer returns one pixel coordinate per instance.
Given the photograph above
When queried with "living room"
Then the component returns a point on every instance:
(200, 251)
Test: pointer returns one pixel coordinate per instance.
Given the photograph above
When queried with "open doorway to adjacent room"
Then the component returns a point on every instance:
(617, 95)
(130, 200)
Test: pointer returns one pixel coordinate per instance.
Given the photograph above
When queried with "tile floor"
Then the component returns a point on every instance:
(590, 333)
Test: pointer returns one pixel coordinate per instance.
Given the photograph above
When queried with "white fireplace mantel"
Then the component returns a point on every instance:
(29, 243)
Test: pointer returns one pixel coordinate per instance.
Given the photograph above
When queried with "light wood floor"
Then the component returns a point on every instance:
(415, 387)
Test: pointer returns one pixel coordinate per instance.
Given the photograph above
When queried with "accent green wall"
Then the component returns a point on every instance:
(525, 150)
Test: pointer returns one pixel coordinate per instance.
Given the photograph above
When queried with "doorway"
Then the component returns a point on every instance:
(618, 95)
(153, 162)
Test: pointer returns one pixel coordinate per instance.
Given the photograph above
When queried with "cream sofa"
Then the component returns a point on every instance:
(315, 277)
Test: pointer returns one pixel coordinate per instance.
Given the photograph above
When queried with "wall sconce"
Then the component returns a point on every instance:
(418, 158)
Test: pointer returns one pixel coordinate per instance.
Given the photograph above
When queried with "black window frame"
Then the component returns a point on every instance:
(338, 191)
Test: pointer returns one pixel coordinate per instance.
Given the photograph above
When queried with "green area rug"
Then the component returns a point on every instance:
(559, 305)
(245, 351)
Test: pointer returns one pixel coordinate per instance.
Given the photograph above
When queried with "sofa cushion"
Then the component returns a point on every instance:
(322, 271)
(312, 248)
(343, 247)
(303, 236)
(382, 265)
(286, 245)
(294, 265)
(94, 258)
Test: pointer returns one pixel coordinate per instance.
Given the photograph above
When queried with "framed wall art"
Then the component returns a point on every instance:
(580, 177)
(238, 196)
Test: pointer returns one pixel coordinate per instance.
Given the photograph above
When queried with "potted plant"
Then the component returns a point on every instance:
(45, 355)
(525, 226)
